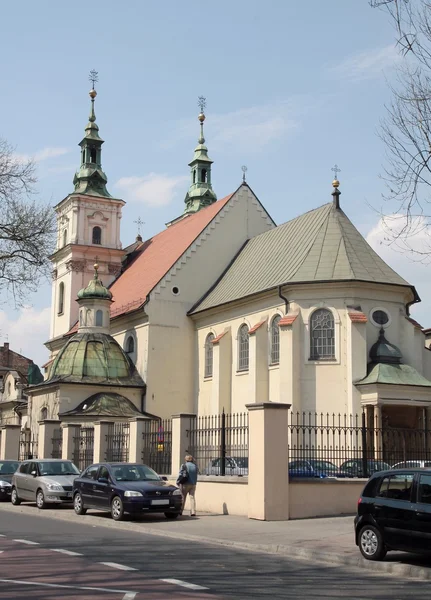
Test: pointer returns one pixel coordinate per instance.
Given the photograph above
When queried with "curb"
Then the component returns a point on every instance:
(296, 553)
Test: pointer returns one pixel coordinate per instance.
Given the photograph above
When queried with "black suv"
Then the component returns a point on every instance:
(394, 513)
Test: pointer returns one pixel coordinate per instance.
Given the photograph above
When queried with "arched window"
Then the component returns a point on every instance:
(43, 414)
(83, 155)
(65, 237)
(130, 345)
(194, 176)
(61, 298)
(243, 348)
(99, 318)
(97, 235)
(322, 335)
(93, 155)
(275, 340)
(203, 175)
(209, 351)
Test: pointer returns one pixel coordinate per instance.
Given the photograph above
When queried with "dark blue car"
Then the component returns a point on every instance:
(125, 488)
(315, 468)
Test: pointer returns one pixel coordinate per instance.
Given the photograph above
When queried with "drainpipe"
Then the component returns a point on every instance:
(286, 301)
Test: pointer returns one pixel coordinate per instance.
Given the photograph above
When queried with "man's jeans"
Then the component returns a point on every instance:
(187, 488)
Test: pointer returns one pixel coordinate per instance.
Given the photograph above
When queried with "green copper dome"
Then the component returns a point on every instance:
(95, 289)
(94, 358)
(384, 352)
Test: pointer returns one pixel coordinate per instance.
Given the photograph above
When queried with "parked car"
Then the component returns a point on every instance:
(233, 466)
(355, 468)
(7, 469)
(46, 481)
(314, 468)
(394, 513)
(412, 464)
(125, 488)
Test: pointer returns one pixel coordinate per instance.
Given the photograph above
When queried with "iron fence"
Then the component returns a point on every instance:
(157, 445)
(322, 445)
(28, 445)
(118, 442)
(83, 447)
(219, 443)
(57, 443)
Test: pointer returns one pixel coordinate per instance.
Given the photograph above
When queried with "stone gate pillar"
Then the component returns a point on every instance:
(46, 434)
(9, 446)
(180, 439)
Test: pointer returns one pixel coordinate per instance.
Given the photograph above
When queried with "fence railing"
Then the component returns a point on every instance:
(219, 443)
(322, 445)
(157, 445)
(83, 450)
(118, 442)
(28, 446)
(57, 443)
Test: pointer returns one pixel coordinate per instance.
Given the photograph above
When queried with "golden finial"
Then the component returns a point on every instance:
(96, 268)
(94, 78)
(202, 105)
(336, 170)
(92, 94)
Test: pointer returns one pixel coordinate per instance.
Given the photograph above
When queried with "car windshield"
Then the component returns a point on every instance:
(134, 473)
(55, 468)
(242, 462)
(323, 465)
(8, 468)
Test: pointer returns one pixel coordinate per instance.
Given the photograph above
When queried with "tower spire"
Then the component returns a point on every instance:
(200, 193)
(90, 178)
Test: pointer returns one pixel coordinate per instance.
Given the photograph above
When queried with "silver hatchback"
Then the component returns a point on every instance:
(44, 481)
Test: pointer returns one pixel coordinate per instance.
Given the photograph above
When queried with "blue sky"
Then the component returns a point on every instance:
(292, 88)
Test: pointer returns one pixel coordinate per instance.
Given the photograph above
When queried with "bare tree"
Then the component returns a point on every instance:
(26, 228)
(406, 129)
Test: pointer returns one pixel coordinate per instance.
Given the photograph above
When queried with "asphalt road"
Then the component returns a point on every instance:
(65, 561)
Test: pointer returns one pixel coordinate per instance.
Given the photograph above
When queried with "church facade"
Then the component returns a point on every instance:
(223, 308)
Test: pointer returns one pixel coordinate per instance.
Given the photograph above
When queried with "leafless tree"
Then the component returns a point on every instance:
(26, 228)
(406, 129)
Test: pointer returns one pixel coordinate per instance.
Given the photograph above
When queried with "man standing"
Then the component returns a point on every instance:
(187, 480)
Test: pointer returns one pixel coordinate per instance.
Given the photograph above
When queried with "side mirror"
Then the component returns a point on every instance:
(163, 478)
(103, 480)
(33, 473)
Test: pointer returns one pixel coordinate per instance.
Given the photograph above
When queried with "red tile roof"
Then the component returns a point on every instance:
(287, 320)
(219, 337)
(416, 324)
(356, 316)
(256, 327)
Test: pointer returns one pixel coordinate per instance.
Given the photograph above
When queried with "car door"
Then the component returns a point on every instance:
(86, 483)
(393, 509)
(32, 482)
(20, 481)
(101, 492)
(421, 530)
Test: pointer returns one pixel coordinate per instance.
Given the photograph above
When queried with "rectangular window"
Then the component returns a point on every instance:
(424, 493)
(396, 487)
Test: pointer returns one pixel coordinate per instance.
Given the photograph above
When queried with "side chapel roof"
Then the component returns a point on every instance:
(319, 246)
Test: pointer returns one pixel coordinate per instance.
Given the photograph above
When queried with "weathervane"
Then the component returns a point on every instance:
(244, 171)
(139, 222)
(202, 103)
(336, 170)
(93, 77)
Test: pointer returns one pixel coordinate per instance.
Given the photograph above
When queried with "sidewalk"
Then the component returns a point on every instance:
(324, 540)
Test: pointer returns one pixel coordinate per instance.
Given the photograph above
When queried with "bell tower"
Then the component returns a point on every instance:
(88, 226)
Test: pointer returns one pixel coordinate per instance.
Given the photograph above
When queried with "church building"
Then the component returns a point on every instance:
(223, 308)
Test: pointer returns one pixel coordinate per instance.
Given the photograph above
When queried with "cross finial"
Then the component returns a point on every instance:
(244, 171)
(336, 170)
(202, 103)
(93, 77)
(139, 222)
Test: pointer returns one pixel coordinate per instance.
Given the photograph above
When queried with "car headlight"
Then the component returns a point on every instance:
(4, 484)
(176, 492)
(131, 494)
(54, 487)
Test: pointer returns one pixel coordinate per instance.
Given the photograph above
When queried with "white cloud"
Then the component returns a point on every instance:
(27, 332)
(43, 154)
(402, 255)
(153, 189)
(366, 65)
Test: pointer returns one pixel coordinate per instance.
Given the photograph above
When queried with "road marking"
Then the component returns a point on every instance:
(68, 587)
(118, 566)
(68, 552)
(2, 535)
(130, 596)
(27, 542)
(190, 586)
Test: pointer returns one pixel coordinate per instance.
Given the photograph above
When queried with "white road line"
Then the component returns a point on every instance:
(67, 587)
(130, 596)
(68, 552)
(28, 542)
(2, 535)
(118, 566)
(190, 586)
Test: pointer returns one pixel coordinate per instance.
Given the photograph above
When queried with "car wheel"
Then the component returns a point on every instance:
(172, 515)
(40, 500)
(14, 497)
(371, 543)
(78, 505)
(117, 508)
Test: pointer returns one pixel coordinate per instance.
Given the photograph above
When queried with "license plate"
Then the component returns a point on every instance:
(69, 494)
(159, 502)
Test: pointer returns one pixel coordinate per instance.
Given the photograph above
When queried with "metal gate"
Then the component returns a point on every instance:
(117, 442)
(83, 447)
(27, 445)
(157, 445)
(57, 443)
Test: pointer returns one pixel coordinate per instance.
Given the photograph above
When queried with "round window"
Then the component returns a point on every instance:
(175, 290)
(380, 317)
